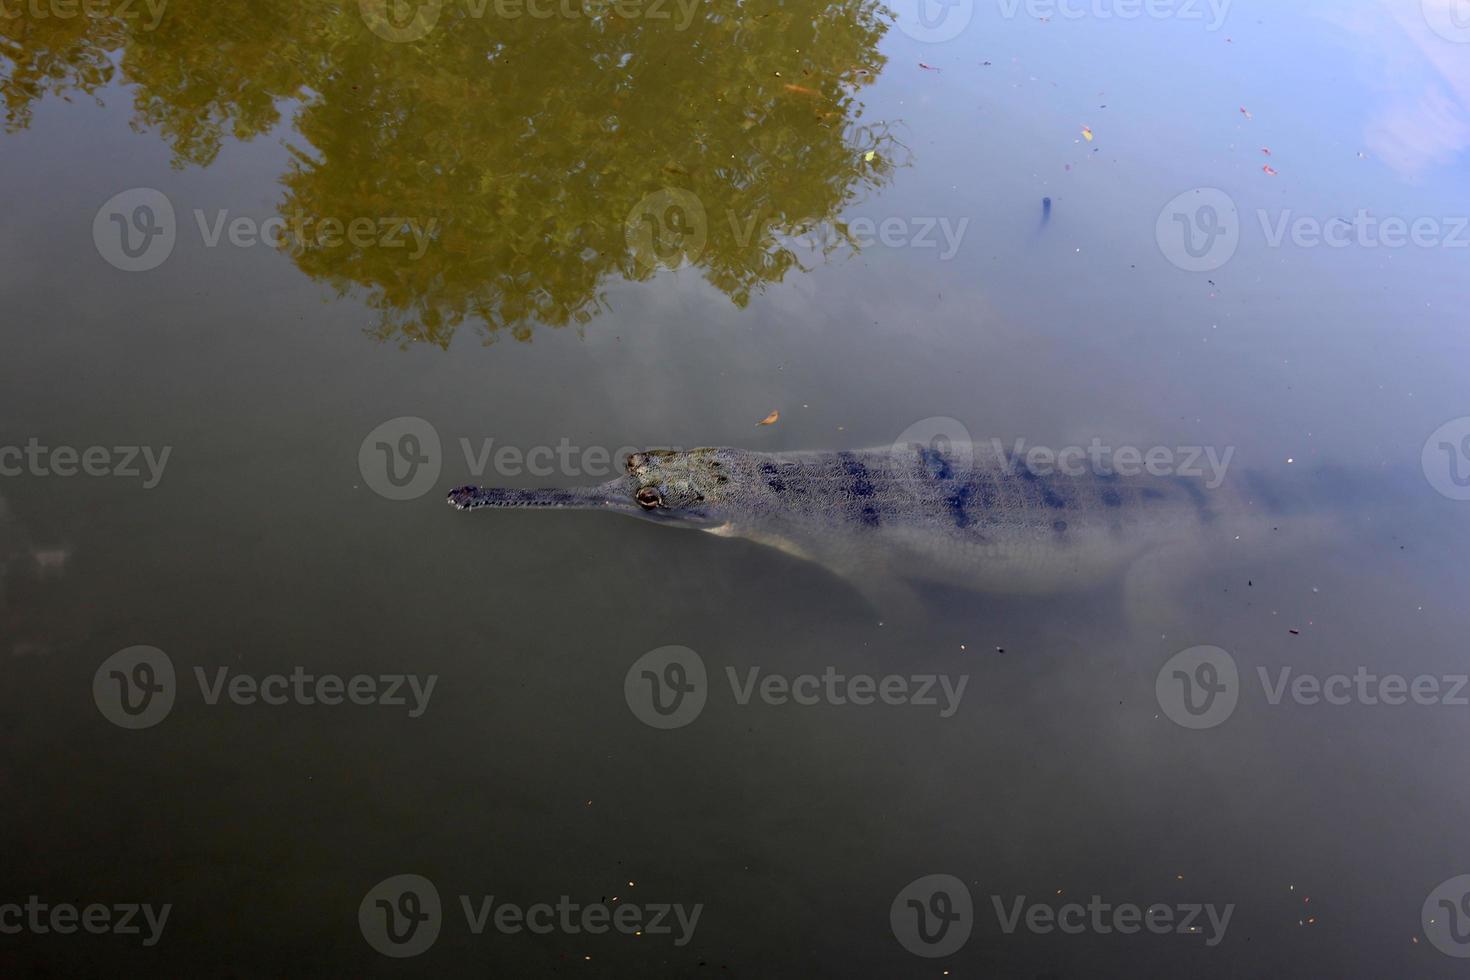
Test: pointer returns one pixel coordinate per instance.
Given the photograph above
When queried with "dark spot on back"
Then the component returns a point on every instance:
(859, 485)
(958, 501)
(870, 516)
(1201, 502)
(1059, 526)
(985, 490)
(935, 463)
(773, 480)
(1110, 498)
(1043, 486)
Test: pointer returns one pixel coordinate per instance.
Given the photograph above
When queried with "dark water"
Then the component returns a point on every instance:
(608, 228)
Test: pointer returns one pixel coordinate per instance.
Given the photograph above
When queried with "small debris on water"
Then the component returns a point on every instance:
(771, 419)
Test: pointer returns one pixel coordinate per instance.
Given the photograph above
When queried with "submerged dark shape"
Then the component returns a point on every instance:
(1045, 211)
(959, 515)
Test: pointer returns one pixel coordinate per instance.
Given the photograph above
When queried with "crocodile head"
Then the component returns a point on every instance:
(688, 489)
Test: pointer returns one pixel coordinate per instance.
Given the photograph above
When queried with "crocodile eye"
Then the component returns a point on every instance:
(648, 498)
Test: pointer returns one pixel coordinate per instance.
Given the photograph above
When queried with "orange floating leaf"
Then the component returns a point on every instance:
(1270, 170)
(771, 419)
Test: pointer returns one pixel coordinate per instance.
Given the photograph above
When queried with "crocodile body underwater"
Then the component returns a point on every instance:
(963, 516)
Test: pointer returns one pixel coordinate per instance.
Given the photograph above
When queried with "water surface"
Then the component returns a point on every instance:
(601, 230)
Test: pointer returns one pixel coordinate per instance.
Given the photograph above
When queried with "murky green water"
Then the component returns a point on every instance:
(278, 275)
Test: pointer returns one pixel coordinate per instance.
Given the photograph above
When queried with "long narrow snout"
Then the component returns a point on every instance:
(614, 495)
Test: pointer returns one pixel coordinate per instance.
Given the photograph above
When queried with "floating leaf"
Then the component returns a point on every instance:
(771, 419)
(1270, 170)
(870, 156)
(1087, 133)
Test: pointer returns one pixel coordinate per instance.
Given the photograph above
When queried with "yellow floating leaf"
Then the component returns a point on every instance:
(771, 419)
(870, 156)
(1087, 133)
